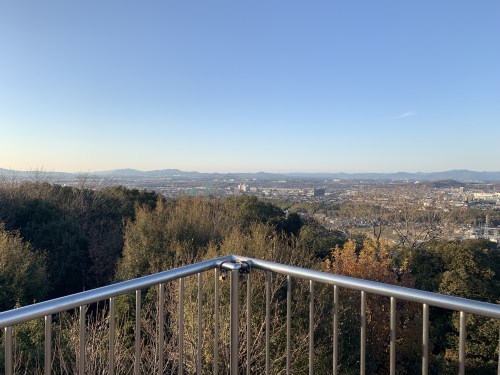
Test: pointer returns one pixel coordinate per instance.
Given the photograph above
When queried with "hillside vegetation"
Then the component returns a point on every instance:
(57, 240)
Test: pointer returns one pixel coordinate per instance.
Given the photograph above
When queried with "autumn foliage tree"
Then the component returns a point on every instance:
(374, 261)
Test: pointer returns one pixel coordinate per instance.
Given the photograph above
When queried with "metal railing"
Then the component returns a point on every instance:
(236, 265)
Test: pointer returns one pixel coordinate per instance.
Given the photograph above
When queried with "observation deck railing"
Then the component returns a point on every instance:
(235, 266)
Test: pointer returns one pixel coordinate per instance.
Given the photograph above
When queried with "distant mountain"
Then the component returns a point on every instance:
(131, 173)
(460, 175)
(34, 175)
(163, 173)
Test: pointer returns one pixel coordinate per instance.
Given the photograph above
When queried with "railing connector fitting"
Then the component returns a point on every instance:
(242, 267)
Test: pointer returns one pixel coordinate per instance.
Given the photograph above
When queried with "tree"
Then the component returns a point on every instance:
(22, 271)
(414, 225)
(467, 269)
(248, 209)
(374, 261)
(315, 239)
(260, 241)
(64, 243)
(376, 216)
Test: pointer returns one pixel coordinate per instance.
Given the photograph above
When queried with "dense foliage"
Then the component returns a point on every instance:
(57, 240)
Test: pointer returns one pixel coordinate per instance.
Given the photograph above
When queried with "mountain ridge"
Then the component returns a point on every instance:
(455, 174)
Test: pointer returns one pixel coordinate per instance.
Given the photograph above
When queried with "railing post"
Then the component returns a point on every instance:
(112, 336)
(235, 269)
(48, 345)
(161, 326)
(249, 323)
(392, 365)
(200, 333)
(137, 362)
(8, 351)
(216, 323)
(311, 327)
(268, 321)
(288, 322)
(235, 274)
(181, 326)
(498, 370)
(461, 349)
(362, 361)
(81, 362)
(425, 339)
(335, 329)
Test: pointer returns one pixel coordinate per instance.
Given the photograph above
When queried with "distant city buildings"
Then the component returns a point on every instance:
(445, 196)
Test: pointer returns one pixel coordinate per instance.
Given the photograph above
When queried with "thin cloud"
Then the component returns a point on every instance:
(405, 114)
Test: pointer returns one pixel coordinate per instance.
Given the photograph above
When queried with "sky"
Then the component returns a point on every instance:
(247, 86)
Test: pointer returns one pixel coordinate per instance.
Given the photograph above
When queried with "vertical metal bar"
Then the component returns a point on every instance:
(161, 326)
(498, 370)
(81, 362)
(362, 360)
(335, 329)
(216, 323)
(112, 335)
(200, 335)
(249, 322)
(181, 326)
(8, 351)
(235, 274)
(311, 328)
(137, 361)
(288, 322)
(268, 322)
(48, 344)
(393, 337)
(461, 349)
(425, 339)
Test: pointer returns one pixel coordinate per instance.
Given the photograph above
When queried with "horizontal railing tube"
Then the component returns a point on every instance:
(42, 309)
(54, 306)
(432, 299)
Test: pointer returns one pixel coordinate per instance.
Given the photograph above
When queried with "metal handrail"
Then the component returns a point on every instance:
(39, 310)
(235, 265)
(490, 310)
(461, 305)
(54, 306)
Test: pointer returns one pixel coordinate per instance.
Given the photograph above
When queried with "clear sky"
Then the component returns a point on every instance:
(250, 85)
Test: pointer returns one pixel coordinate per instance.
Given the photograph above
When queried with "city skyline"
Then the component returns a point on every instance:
(247, 87)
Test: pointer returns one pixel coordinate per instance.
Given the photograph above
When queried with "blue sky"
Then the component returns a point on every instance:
(278, 86)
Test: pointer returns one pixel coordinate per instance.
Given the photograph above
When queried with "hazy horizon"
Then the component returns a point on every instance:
(328, 87)
(44, 170)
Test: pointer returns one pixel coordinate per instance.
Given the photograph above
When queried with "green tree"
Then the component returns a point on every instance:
(66, 246)
(467, 269)
(22, 271)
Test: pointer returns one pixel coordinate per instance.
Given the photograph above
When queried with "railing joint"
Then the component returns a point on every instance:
(240, 265)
